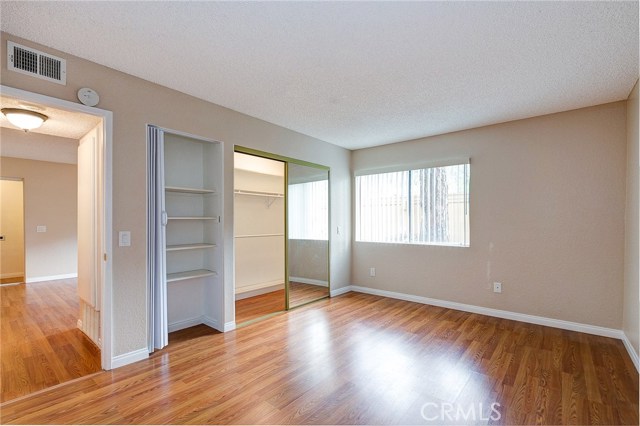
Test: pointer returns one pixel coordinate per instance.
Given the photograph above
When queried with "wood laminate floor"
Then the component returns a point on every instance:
(300, 293)
(255, 307)
(358, 359)
(40, 345)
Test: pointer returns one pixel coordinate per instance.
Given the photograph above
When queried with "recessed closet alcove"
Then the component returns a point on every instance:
(281, 221)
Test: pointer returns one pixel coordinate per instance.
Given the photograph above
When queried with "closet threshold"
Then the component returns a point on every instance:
(177, 247)
(186, 275)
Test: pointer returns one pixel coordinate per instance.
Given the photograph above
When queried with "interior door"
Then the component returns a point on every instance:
(90, 231)
(87, 219)
(12, 262)
(307, 233)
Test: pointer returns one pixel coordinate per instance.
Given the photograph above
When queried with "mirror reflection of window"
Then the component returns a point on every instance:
(308, 233)
(308, 210)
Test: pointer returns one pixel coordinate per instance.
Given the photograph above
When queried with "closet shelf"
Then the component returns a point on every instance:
(191, 218)
(178, 247)
(188, 190)
(186, 275)
(258, 193)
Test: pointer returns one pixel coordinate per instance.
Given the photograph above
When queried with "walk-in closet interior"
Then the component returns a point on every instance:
(281, 219)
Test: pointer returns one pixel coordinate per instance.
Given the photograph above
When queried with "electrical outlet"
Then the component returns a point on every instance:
(372, 272)
(497, 287)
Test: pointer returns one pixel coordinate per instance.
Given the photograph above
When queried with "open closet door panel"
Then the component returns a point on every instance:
(158, 333)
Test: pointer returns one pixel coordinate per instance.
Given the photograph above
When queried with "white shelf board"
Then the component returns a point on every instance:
(189, 190)
(197, 246)
(186, 275)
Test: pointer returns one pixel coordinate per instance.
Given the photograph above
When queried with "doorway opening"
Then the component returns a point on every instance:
(12, 269)
(56, 326)
(259, 225)
(281, 238)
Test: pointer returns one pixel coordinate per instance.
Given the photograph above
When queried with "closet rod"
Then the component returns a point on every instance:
(258, 193)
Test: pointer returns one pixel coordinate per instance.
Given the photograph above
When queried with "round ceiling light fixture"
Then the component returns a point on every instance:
(24, 119)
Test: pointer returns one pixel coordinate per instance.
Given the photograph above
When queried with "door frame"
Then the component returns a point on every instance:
(287, 160)
(106, 310)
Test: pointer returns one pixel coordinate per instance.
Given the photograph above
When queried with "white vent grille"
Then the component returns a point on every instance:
(35, 63)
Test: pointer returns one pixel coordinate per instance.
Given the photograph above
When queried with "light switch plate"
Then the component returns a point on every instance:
(41, 228)
(124, 238)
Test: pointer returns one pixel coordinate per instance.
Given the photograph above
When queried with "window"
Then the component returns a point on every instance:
(309, 210)
(423, 206)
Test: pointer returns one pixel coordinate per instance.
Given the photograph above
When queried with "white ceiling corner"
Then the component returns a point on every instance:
(358, 74)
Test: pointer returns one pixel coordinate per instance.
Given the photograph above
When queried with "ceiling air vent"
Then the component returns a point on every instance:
(35, 63)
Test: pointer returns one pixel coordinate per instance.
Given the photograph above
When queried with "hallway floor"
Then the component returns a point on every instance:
(40, 345)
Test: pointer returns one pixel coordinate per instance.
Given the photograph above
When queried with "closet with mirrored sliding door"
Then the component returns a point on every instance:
(281, 234)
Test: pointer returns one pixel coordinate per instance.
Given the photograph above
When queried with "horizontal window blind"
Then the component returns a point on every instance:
(423, 206)
(309, 210)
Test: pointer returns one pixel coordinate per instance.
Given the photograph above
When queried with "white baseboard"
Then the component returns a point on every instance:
(203, 319)
(180, 325)
(632, 352)
(309, 281)
(50, 278)
(210, 322)
(129, 358)
(341, 290)
(257, 292)
(532, 319)
(258, 286)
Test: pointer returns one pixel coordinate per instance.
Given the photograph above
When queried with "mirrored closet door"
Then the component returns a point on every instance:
(281, 233)
(307, 233)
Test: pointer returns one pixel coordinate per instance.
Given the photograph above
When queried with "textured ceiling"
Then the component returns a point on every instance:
(358, 74)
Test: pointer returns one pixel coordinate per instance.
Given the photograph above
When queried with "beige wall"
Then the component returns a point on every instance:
(546, 217)
(12, 229)
(135, 103)
(36, 146)
(308, 260)
(50, 199)
(631, 317)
